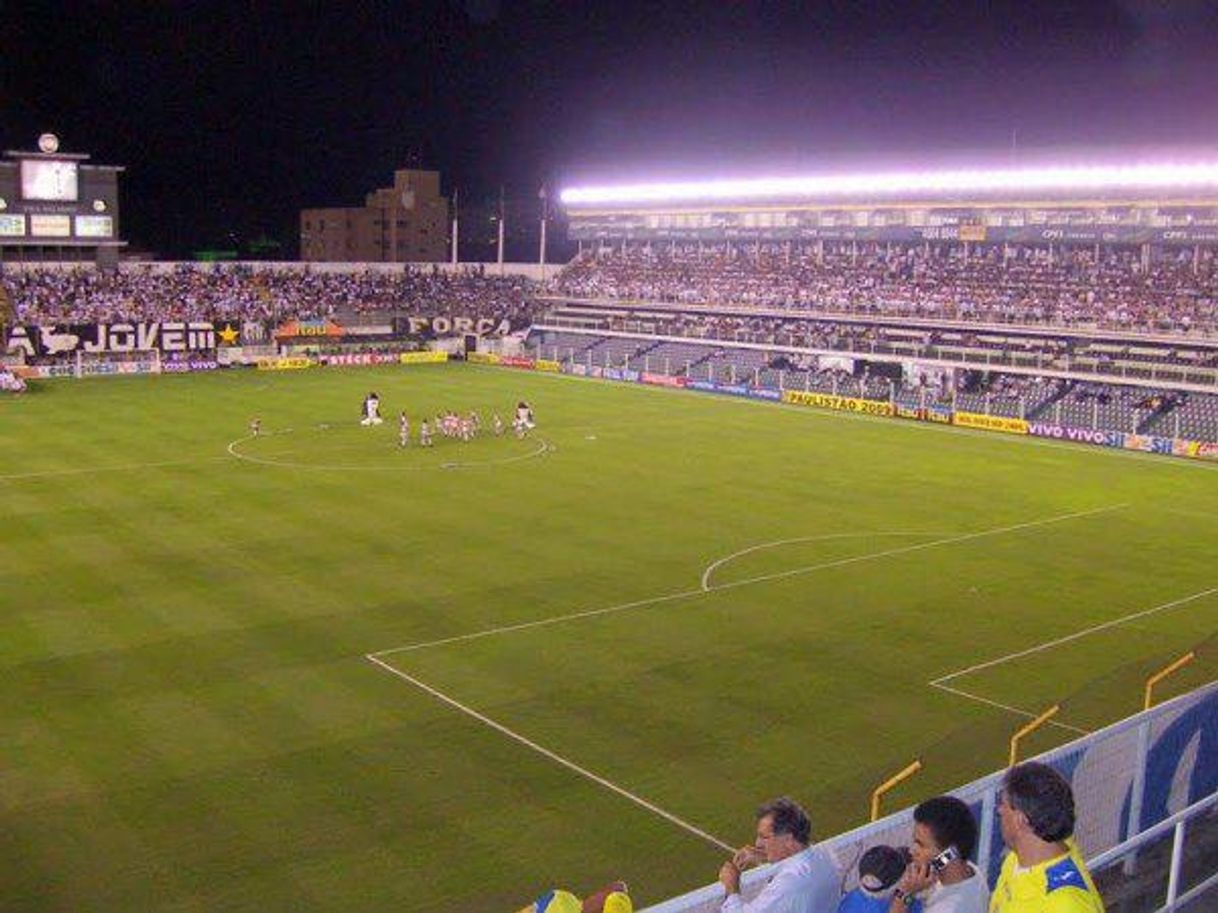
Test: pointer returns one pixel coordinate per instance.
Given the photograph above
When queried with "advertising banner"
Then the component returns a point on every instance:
(45, 371)
(765, 393)
(113, 368)
(284, 364)
(1081, 435)
(991, 422)
(545, 364)
(1148, 443)
(361, 358)
(1207, 451)
(939, 414)
(662, 380)
(422, 358)
(579, 370)
(515, 361)
(840, 403)
(912, 412)
(102, 338)
(482, 358)
(295, 329)
(189, 365)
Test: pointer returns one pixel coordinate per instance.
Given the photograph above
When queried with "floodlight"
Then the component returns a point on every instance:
(1195, 176)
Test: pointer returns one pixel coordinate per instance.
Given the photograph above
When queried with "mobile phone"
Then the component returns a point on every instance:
(949, 855)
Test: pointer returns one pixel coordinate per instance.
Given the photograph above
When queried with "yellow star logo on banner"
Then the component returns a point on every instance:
(228, 335)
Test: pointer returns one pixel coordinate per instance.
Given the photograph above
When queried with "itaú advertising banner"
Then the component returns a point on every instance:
(296, 329)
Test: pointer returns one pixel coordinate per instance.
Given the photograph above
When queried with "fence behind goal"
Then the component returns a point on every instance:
(1127, 778)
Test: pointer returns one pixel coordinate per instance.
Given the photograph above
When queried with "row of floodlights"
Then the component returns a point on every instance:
(911, 183)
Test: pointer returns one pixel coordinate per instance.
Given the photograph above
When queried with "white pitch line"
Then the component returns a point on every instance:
(655, 600)
(1008, 707)
(128, 467)
(545, 448)
(711, 568)
(907, 549)
(553, 756)
(539, 623)
(1094, 629)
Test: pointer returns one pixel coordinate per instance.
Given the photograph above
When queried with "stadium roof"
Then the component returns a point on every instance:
(1058, 180)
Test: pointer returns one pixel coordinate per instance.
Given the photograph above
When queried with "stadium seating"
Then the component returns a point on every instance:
(1012, 284)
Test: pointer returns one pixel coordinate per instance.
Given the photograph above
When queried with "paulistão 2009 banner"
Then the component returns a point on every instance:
(841, 403)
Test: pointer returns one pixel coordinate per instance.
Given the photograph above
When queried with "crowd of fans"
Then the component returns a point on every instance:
(1015, 284)
(1043, 869)
(239, 292)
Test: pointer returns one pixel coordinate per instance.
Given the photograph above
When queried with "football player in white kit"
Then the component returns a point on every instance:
(403, 430)
(524, 422)
(372, 410)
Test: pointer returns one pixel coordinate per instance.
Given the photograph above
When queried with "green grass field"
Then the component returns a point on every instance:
(189, 720)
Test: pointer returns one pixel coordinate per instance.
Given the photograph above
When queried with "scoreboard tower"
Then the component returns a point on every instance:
(54, 206)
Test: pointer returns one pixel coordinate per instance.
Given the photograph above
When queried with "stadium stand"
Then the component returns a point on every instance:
(1001, 284)
(241, 292)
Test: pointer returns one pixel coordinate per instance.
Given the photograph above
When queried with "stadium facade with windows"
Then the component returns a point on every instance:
(1144, 205)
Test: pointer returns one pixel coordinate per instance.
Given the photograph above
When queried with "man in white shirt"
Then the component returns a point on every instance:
(940, 874)
(802, 878)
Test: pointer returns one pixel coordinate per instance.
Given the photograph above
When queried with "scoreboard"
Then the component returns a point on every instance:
(53, 199)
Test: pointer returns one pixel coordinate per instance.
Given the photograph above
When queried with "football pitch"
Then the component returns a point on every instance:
(313, 670)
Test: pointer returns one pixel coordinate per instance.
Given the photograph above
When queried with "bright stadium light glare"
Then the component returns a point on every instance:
(1076, 179)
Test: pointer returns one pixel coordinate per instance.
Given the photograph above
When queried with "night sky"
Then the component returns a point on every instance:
(232, 117)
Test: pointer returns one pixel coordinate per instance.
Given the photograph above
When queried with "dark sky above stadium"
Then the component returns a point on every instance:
(231, 117)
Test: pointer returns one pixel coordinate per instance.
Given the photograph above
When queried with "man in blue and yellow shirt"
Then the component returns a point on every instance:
(1043, 872)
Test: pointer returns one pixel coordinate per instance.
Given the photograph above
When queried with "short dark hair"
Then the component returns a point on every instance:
(787, 817)
(1044, 797)
(950, 822)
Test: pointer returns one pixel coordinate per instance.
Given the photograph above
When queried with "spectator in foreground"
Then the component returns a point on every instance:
(939, 873)
(803, 879)
(879, 870)
(1043, 872)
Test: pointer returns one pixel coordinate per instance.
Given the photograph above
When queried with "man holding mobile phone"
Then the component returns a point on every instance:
(940, 874)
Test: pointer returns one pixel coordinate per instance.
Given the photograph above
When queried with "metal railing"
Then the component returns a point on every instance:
(1125, 852)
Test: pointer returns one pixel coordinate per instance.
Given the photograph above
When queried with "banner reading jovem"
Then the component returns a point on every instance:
(112, 338)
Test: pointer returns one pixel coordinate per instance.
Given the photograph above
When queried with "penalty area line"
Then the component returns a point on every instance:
(551, 755)
(1048, 645)
(748, 581)
(1085, 632)
(1016, 710)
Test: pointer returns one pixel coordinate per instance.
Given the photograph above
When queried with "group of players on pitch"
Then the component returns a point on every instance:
(449, 424)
